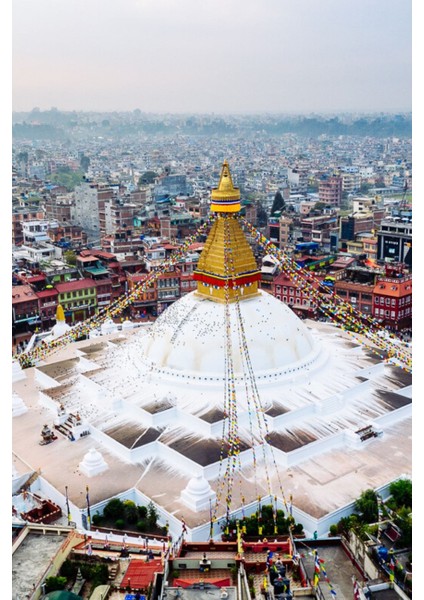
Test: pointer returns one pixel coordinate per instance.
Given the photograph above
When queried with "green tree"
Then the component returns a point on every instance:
(114, 509)
(70, 257)
(23, 157)
(67, 178)
(141, 525)
(55, 583)
(131, 512)
(401, 492)
(403, 520)
(367, 506)
(147, 177)
(152, 515)
(84, 163)
(279, 204)
(97, 519)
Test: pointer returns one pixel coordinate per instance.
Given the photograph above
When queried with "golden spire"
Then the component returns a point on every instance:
(225, 197)
(227, 269)
(60, 315)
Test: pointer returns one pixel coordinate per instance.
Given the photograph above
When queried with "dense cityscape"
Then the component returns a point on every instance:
(121, 312)
(100, 199)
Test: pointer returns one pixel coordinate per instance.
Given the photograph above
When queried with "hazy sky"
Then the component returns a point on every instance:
(212, 55)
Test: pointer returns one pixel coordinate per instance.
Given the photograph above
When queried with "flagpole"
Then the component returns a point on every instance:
(67, 505)
(211, 520)
(88, 509)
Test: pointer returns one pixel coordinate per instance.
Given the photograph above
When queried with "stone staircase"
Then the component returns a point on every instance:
(66, 428)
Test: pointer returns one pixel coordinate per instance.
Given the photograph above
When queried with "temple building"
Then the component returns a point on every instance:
(226, 375)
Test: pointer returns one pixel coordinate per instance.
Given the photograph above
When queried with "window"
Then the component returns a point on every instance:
(387, 301)
(393, 314)
(393, 302)
(377, 299)
(284, 298)
(297, 300)
(291, 300)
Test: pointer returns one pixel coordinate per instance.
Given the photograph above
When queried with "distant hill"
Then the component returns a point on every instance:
(57, 125)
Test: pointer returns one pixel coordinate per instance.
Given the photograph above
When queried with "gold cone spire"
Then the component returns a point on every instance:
(60, 315)
(227, 269)
(225, 197)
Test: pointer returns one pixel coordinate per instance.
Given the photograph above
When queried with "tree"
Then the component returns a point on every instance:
(131, 511)
(114, 509)
(262, 217)
(279, 204)
(404, 521)
(152, 515)
(55, 583)
(367, 506)
(23, 157)
(70, 257)
(84, 163)
(67, 178)
(401, 492)
(147, 177)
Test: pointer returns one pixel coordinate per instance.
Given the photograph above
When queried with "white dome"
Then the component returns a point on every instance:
(198, 493)
(108, 326)
(93, 463)
(198, 485)
(190, 337)
(60, 328)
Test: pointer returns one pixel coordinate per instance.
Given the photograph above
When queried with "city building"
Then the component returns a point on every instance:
(392, 299)
(395, 241)
(280, 230)
(330, 191)
(21, 215)
(78, 298)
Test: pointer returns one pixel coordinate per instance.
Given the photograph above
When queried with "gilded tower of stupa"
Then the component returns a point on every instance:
(227, 268)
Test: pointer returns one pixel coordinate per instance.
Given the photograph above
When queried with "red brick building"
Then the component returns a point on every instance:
(359, 295)
(293, 295)
(146, 303)
(330, 191)
(392, 301)
(24, 312)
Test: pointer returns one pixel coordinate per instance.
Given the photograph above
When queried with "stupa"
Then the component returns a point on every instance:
(93, 463)
(60, 327)
(229, 362)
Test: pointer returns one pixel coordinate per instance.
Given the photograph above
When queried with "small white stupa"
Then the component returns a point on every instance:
(93, 463)
(61, 327)
(18, 405)
(198, 494)
(127, 324)
(108, 326)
